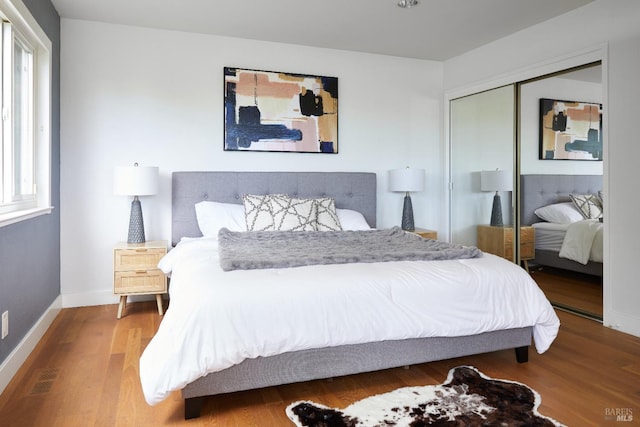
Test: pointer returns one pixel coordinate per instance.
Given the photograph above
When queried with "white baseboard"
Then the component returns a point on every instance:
(622, 322)
(17, 357)
(85, 299)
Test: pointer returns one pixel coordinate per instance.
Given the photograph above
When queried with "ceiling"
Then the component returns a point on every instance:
(432, 30)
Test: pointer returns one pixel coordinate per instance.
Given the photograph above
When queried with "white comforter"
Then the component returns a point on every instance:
(583, 242)
(217, 319)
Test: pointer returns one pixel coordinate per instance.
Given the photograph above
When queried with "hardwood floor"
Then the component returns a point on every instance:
(574, 291)
(84, 372)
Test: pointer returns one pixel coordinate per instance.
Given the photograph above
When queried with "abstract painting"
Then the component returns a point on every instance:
(570, 130)
(283, 112)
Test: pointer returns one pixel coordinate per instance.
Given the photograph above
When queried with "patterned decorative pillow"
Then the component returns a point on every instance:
(589, 205)
(257, 212)
(327, 215)
(291, 214)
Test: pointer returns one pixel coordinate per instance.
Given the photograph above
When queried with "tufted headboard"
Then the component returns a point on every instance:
(541, 190)
(351, 190)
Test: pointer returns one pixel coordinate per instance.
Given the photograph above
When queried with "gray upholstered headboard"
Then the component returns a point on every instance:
(541, 190)
(351, 190)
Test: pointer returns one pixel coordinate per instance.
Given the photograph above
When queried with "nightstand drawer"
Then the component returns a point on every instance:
(137, 259)
(139, 282)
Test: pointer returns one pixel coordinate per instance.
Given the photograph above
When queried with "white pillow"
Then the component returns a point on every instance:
(290, 214)
(559, 213)
(212, 216)
(352, 220)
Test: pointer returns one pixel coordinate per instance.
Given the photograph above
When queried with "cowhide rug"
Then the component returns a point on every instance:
(467, 398)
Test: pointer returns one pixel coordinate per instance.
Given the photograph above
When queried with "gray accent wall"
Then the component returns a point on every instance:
(30, 250)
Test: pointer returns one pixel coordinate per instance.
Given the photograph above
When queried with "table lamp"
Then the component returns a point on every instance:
(406, 180)
(496, 180)
(136, 181)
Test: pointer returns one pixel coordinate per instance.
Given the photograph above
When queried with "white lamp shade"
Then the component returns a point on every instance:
(497, 180)
(135, 180)
(406, 180)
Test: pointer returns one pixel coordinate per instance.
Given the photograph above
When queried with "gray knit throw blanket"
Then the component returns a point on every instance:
(281, 249)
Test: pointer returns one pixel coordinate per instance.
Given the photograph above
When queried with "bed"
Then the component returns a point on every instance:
(540, 191)
(356, 351)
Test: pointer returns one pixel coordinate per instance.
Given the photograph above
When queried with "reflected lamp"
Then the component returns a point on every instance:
(496, 180)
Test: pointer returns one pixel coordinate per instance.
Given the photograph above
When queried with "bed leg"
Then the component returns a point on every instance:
(522, 354)
(192, 407)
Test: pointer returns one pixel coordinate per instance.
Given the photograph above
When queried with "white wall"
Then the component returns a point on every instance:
(554, 45)
(622, 298)
(552, 88)
(607, 30)
(156, 97)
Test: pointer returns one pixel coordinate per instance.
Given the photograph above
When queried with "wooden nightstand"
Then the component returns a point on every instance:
(427, 234)
(135, 271)
(499, 241)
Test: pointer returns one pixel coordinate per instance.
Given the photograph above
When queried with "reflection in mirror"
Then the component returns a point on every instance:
(570, 281)
(482, 132)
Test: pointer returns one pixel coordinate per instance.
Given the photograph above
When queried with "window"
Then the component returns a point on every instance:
(25, 92)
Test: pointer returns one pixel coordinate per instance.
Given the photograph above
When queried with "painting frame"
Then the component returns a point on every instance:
(272, 111)
(570, 130)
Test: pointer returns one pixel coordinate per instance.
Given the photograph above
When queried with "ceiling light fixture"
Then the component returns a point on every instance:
(407, 3)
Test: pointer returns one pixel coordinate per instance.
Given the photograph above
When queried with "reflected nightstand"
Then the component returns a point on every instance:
(499, 241)
(427, 234)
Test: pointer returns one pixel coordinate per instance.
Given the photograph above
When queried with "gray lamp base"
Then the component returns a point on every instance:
(496, 212)
(407, 214)
(136, 223)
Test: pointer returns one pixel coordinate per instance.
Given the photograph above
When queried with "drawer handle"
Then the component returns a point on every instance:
(141, 271)
(141, 250)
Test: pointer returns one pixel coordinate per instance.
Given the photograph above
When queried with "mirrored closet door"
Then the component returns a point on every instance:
(560, 155)
(482, 153)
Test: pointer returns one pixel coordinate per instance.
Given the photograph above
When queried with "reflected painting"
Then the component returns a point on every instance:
(283, 112)
(570, 130)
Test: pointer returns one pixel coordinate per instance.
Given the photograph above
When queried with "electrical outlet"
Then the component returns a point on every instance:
(5, 324)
